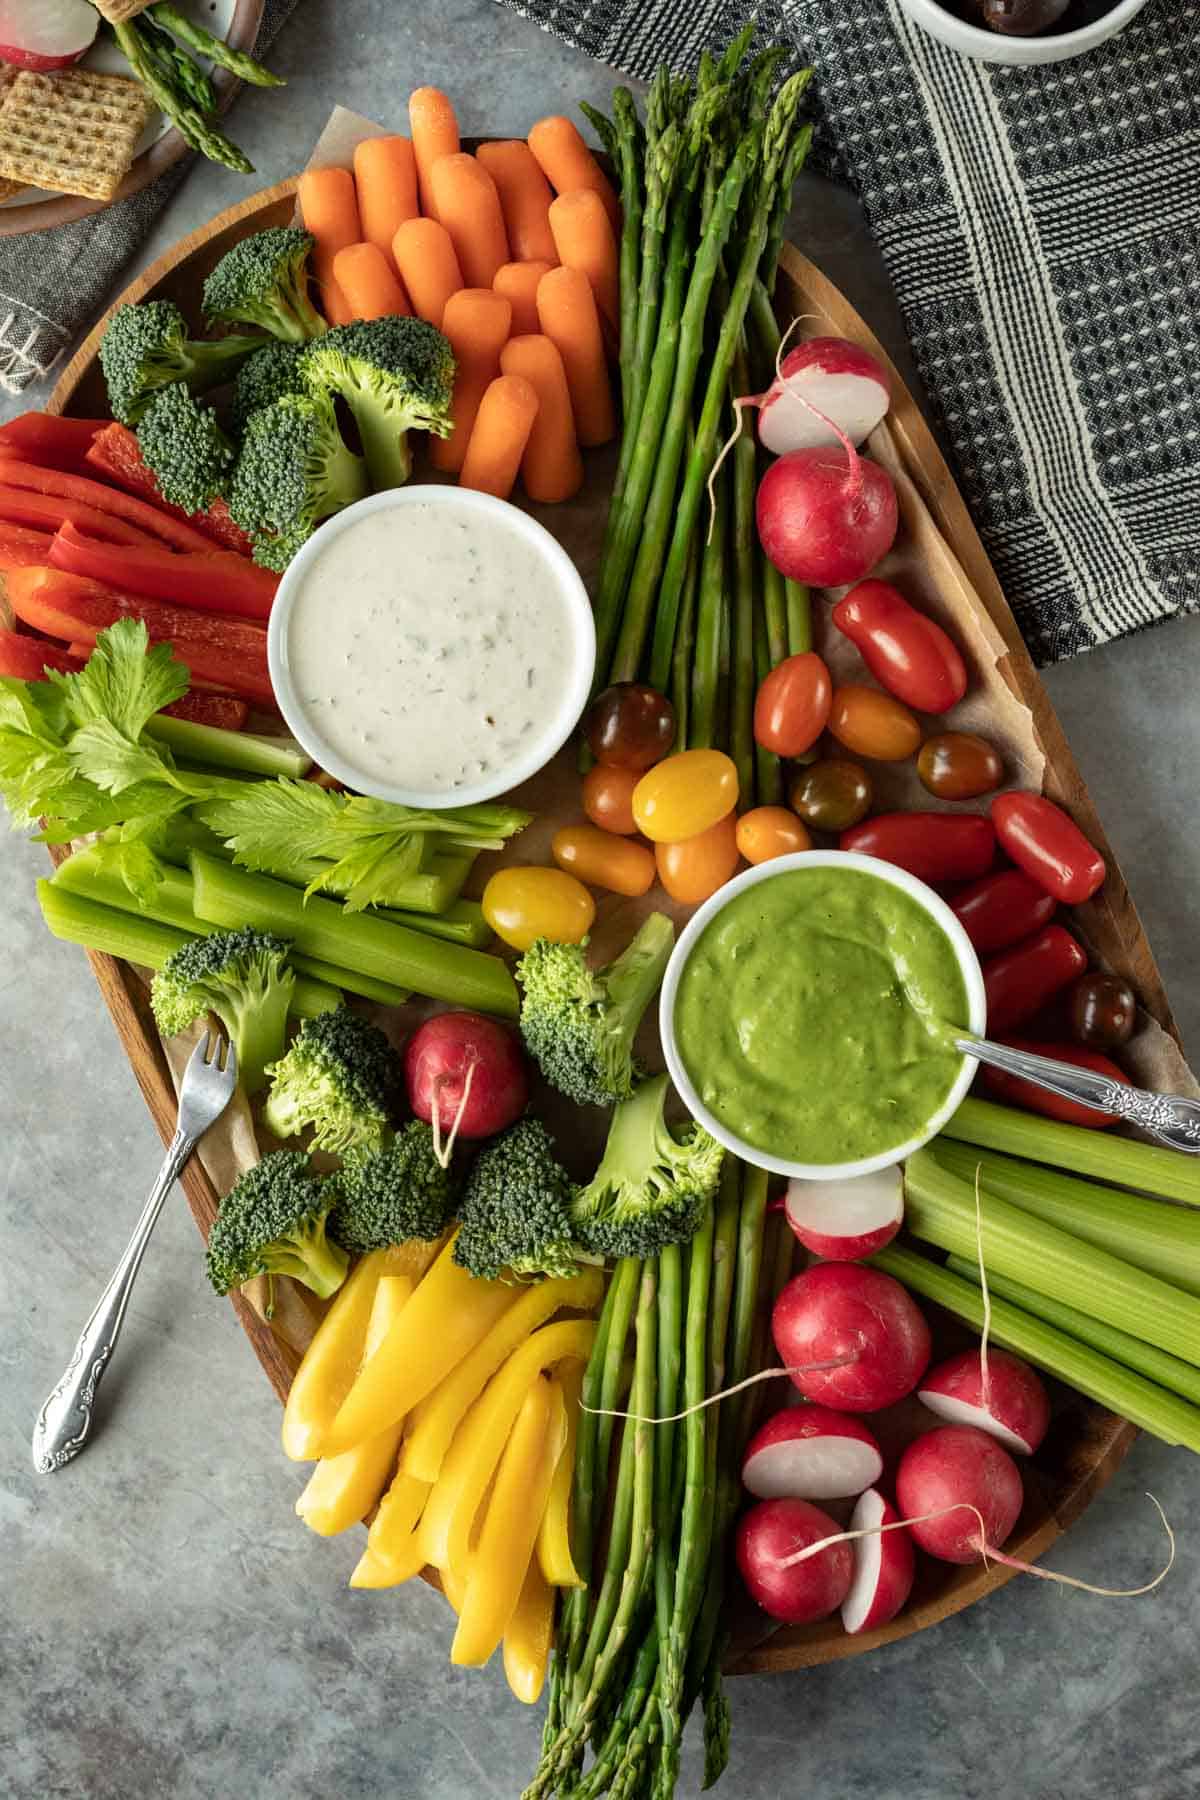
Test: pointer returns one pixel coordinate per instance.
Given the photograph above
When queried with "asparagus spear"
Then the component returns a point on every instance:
(177, 67)
(745, 602)
(214, 48)
(620, 137)
(187, 118)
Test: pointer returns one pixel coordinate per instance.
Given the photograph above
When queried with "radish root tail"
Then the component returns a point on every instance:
(846, 1537)
(1088, 1587)
(743, 401)
(612, 1412)
(792, 387)
(444, 1151)
(985, 1376)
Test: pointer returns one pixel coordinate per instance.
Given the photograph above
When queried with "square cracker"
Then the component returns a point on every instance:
(74, 132)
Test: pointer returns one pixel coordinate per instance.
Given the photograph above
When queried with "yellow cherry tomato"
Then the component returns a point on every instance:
(608, 798)
(696, 867)
(522, 905)
(604, 860)
(770, 831)
(685, 795)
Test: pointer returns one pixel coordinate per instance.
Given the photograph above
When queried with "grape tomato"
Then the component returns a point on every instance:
(603, 860)
(524, 904)
(1002, 909)
(906, 651)
(931, 846)
(692, 869)
(608, 798)
(1011, 1090)
(769, 831)
(685, 795)
(873, 724)
(1018, 982)
(1044, 841)
(630, 726)
(957, 765)
(1103, 1010)
(832, 795)
(792, 706)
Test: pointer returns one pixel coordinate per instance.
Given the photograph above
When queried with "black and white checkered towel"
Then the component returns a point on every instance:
(1042, 230)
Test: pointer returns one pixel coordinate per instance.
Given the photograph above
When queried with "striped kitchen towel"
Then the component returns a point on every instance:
(1042, 230)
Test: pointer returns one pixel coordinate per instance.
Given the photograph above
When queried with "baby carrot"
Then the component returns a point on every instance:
(518, 282)
(477, 323)
(584, 239)
(385, 174)
(428, 267)
(524, 198)
(365, 279)
(329, 208)
(506, 416)
(551, 468)
(567, 313)
(434, 133)
(568, 164)
(469, 207)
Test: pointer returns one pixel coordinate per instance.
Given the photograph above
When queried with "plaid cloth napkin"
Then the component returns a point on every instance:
(54, 283)
(1042, 230)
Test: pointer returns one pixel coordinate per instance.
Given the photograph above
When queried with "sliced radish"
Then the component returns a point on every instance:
(838, 380)
(970, 1485)
(811, 1453)
(1015, 1407)
(846, 1220)
(884, 1566)
(862, 1323)
(802, 1592)
(46, 34)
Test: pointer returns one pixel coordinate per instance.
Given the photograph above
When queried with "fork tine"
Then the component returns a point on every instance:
(204, 1046)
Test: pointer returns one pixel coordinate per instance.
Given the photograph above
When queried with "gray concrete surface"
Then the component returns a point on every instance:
(168, 1628)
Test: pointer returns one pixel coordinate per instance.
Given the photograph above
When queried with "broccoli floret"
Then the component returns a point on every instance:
(263, 281)
(272, 1222)
(651, 1187)
(579, 1023)
(293, 471)
(147, 347)
(396, 375)
(263, 378)
(184, 445)
(395, 1194)
(514, 1218)
(243, 977)
(340, 1076)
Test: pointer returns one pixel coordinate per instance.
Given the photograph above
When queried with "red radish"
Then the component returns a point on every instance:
(884, 1566)
(846, 1220)
(842, 1310)
(824, 387)
(1010, 1402)
(466, 1075)
(811, 1453)
(827, 515)
(774, 1530)
(46, 34)
(959, 1472)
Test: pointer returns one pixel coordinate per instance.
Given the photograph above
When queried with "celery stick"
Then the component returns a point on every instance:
(461, 923)
(1155, 1365)
(1154, 1409)
(1150, 1167)
(175, 838)
(1155, 1235)
(211, 747)
(226, 895)
(430, 890)
(940, 1208)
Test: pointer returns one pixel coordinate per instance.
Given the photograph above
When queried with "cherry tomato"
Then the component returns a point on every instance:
(769, 831)
(1013, 1091)
(524, 904)
(957, 765)
(630, 726)
(1103, 1009)
(1002, 909)
(694, 868)
(603, 860)
(1048, 845)
(907, 652)
(932, 846)
(685, 795)
(608, 798)
(832, 795)
(873, 724)
(793, 703)
(1019, 981)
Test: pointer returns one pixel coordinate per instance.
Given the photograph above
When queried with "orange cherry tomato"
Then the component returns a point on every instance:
(693, 868)
(604, 860)
(873, 724)
(792, 706)
(770, 831)
(685, 795)
(524, 904)
(608, 798)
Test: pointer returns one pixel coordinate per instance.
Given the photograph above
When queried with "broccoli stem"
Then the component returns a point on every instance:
(636, 975)
(314, 1258)
(257, 1024)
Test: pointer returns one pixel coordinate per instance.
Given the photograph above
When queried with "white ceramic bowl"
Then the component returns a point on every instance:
(558, 724)
(960, 944)
(1018, 52)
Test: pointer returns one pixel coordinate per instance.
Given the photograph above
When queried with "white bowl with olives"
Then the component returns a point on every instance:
(1021, 32)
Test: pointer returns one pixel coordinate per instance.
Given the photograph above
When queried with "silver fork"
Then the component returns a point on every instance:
(65, 1420)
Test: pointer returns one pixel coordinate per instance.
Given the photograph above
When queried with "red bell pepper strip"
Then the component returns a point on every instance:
(22, 549)
(1046, 842)
(27, 658)
(1012, 1091)
(46, 512)
(223, 710)
(932, 846)
(109, 500)
(1018, 982)
(116, 455)
(50, 440)
(217, 581)
(1002, 909)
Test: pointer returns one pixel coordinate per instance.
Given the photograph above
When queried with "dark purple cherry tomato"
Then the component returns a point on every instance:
(932, 846)
(832, 795)
(957, 765)
(1102, 1010)
(1013, 1091)
(1002, 909)
(906, 651)
(1048, 845)
(630, 726)
(1018, 982)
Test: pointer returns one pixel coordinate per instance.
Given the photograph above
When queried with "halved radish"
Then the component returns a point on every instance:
(859, 1321)
(811, 1453)
(846, 1220)
(884, 1566)
(840, 382)
(1015, 1408)
(46, 34)
(970, 1486)
(801, 1592)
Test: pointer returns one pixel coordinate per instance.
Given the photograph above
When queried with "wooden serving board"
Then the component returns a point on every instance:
(1086, 1443)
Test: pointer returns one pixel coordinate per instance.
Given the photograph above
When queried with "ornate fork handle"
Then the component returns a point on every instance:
(1171, 1118)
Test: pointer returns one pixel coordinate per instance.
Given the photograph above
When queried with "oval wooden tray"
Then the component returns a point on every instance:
(1086, 1443)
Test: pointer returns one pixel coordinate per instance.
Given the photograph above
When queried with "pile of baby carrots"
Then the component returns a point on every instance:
(512, 253)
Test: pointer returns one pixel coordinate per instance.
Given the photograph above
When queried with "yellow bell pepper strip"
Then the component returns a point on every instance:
(529, 1635)
(393, 1551)
(342, 1489)
(497, 1568)
(480, 1439)
(554, 1538)
(454, 1588)
(443, 1322)
(434, 1422)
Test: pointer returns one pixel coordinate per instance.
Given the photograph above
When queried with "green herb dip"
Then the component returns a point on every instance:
(813, 1015)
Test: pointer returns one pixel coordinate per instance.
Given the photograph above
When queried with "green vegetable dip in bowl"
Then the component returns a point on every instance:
(809, 1011)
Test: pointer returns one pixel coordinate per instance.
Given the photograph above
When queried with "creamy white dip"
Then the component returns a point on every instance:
(429, 645)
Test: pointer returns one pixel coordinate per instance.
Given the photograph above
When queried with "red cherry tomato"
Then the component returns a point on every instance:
(608, 798)
(694, 868)
(932, 846)
(1013, 1091)
(907, 652)
(1002, 909)
(792, 708)
(1048, 845)
(1019, 981)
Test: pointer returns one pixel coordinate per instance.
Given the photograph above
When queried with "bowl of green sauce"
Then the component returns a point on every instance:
(809, 1010)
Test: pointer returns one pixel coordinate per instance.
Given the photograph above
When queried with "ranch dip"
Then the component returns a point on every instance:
(428, 644)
